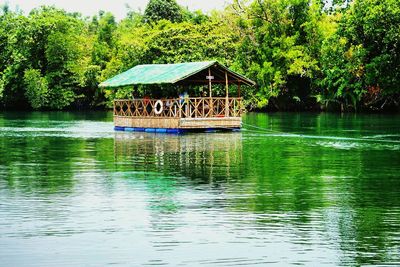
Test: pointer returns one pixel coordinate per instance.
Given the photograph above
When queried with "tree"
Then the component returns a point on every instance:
(163, 9)
(275, 52)
(37, 89)
(361, 62)
(14, 57)
(48, 49)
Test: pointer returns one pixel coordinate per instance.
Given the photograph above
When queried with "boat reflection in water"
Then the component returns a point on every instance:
(180, 173)
(202, 157)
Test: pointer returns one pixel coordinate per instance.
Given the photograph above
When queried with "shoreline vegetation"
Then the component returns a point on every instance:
(304, 55)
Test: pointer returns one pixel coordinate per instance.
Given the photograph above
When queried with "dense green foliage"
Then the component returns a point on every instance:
(302, 54)
(360, 62)
(163, 9)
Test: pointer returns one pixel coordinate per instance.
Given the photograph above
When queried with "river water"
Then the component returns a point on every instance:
(289, 189)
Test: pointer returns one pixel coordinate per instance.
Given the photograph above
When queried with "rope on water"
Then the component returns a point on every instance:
(365, 139)
(259, 129)
(262, 130)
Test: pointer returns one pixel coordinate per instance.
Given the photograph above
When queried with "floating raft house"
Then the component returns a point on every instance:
(184, 113)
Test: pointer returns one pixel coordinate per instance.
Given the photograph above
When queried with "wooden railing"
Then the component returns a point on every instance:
(199, 107)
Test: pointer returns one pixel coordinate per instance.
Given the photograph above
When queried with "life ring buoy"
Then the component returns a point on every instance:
(157, 110)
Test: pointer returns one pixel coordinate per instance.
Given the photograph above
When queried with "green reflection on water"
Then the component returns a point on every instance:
(326, 179)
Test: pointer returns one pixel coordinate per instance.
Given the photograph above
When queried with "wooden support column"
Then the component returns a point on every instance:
(239, 88)
(211, 106)
(209, 81)
(227, 95)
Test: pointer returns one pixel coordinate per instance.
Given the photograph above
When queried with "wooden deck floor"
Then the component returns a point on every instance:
(178, 123)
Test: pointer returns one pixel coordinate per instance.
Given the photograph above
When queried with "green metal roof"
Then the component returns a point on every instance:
(164, 74)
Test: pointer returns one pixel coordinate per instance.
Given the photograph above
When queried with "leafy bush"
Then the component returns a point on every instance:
(37, 89)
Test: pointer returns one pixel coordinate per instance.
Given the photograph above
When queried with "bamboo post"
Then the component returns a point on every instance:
(227, 95)
(209, 81)
(209, 87)
(202, 114)
(190, 108)
(175, 111)
(195, 108)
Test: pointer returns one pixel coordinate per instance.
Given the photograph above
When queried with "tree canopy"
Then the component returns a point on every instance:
(304, 55)
(163, 9)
